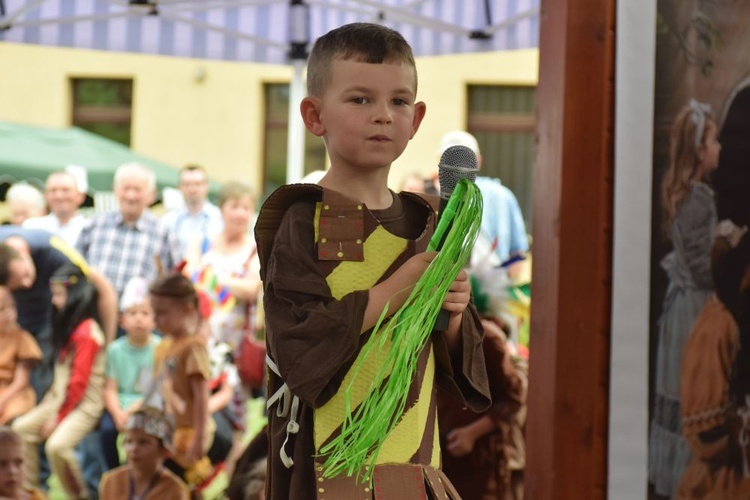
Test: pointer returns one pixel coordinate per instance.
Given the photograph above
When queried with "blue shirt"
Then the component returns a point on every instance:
(502, 221)
(189, 228)
(130, 366)
(121, 250)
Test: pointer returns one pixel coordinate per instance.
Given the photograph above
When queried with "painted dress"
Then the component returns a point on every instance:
(690, 285)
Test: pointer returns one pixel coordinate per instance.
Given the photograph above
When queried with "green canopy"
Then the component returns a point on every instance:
(30, 152)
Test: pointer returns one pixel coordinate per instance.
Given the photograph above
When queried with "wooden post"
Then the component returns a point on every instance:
(566, 432)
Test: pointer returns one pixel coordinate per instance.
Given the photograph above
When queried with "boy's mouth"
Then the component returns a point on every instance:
(380, 138)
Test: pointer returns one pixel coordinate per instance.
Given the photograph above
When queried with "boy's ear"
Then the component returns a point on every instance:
(310, 109)
(420, 109)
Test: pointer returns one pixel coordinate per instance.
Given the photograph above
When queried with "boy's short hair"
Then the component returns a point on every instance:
(362, 42)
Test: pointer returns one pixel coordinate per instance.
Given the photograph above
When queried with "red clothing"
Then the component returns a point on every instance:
(84, 348)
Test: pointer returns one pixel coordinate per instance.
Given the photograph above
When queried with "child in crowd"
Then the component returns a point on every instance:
(73, 405)
(333, 256)
(12, 468)
(147, 437)
(18, 355)
(129, 366)
(689, 221)
(484, 454)
(181, 363)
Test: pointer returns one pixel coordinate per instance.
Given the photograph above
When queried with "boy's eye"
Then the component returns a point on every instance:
(400, 102)
(359, 100)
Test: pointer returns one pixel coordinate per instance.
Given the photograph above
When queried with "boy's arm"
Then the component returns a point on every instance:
(220, 399)
(461, 369)
(107, 303)
(395, 290)
(199, 388)
(112, 403)
(21, 380)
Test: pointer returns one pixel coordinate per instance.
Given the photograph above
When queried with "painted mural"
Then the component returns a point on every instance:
(699, 397)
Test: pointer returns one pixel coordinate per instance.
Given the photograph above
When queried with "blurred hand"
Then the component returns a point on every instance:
(458, 295)
(47, 429)
(460, 442)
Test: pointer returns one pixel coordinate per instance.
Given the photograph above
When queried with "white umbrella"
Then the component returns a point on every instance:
(271, 31)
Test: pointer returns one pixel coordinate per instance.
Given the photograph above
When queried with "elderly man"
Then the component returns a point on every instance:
(198, 218)
(63, 197)
(24, 201)
(129, 241)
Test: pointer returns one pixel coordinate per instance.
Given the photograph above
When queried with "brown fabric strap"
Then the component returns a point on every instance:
(341, 229)
(272, 212)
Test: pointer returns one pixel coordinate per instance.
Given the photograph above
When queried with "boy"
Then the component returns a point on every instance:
(147, 436)
(331, 262)
(129, 366)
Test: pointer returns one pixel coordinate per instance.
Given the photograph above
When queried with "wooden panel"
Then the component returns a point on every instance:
(570, 322)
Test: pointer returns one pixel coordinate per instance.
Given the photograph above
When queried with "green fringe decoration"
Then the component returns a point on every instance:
(363, 432)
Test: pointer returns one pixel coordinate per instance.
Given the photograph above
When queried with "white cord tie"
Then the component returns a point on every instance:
(288, 405)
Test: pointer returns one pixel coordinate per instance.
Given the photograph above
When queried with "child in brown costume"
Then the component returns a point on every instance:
(334, 256)
(18, 355)
(147, 437)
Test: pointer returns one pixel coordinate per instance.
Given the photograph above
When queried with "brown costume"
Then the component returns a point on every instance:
(17, 346)
(116, 484)
(709, 416)
(320, 252)
(487, 472)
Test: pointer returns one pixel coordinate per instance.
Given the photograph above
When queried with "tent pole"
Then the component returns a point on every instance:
(296, 140)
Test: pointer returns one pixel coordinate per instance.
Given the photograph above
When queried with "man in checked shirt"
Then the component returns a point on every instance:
(127, 242)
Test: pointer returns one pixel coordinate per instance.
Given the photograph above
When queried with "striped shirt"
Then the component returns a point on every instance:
(122, 251)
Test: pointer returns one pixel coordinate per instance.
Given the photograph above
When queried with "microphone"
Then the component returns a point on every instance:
(456, 163)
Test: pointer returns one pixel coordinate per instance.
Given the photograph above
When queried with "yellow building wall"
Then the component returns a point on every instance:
(212, 113)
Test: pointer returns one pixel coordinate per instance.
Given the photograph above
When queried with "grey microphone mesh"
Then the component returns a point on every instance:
(456, 163)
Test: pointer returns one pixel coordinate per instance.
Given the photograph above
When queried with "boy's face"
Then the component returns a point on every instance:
(144, 451)
(138, 320)
(169, 314)
(11, 470)
(8, 312)
(367, 113)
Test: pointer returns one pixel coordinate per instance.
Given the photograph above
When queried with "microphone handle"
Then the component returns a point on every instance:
(443, 317)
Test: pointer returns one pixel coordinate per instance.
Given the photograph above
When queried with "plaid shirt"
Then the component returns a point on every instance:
(122, 251)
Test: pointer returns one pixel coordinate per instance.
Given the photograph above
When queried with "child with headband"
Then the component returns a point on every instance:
(148, 434)
(689, 222)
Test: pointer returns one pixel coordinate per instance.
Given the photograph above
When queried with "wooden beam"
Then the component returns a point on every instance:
(566, 432)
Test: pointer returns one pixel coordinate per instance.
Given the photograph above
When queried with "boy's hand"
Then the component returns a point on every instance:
(120, 418)
(461, 441)
(195, 451)
(458, 295)
(414, 268)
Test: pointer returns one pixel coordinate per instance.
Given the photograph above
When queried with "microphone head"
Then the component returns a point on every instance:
(456, 163)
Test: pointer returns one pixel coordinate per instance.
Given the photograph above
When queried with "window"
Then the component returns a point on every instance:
(104, 107)
(502, 118)
(275, 151)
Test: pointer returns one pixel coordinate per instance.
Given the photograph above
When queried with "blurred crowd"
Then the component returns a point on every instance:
(137, 378)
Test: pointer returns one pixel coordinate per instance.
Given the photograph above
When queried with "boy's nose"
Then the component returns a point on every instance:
(382, 113)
